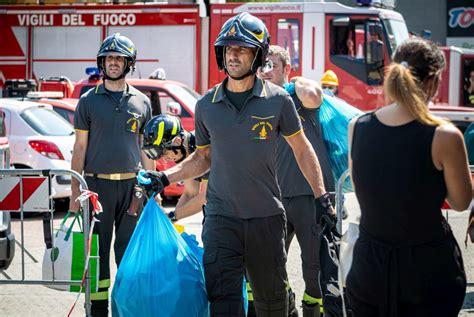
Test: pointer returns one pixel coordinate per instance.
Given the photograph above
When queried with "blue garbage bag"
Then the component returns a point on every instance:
(160, 274)
(334, 116)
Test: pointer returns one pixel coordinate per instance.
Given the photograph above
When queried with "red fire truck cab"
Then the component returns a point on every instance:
(355, 42)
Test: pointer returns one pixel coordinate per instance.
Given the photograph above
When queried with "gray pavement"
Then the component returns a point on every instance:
(39, 301)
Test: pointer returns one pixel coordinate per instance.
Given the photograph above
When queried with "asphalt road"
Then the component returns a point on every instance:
(39, 301)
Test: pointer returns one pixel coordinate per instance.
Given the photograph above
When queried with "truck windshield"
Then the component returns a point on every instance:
(186, 94)
(397, 33)
(47, 122)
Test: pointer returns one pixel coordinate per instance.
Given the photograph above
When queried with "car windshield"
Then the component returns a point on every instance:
(47, 122)
(186, 94)
(397, 32)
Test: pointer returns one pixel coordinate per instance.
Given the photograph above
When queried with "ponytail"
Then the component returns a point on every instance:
(403, 89)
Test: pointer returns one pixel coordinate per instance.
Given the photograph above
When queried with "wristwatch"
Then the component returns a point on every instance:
(172, 216)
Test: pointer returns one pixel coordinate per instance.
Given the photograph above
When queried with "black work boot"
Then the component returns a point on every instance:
(251, 310)
(292, 311)
(311, 310)
(100, 308)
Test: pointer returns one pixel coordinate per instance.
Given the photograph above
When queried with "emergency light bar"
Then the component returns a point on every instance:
(389, 4)
(45, 94)
(92, 71)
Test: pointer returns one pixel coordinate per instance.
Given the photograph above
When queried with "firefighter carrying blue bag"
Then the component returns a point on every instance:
(160, 274)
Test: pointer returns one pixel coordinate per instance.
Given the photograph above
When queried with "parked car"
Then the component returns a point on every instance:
(4, 144)
(63, 106)
(40, 139)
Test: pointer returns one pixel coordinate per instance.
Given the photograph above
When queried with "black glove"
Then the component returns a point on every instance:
(158, 182)
(324, 208)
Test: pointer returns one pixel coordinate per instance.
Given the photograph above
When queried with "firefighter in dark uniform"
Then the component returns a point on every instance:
(237, 127)
(109, 123)
(164, 137)
(296, 191)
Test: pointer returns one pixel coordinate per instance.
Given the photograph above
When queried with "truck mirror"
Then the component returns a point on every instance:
(376, 52)
(173, 108)
(375, 29)
(341, 21)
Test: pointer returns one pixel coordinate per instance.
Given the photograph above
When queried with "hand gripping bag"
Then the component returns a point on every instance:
(334, 116)
(160, 274)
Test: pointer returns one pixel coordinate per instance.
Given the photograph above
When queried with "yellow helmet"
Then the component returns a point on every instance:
(330, 78)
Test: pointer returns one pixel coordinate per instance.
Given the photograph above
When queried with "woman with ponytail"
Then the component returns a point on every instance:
(405, 163)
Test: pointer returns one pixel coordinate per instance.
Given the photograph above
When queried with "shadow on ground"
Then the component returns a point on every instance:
(468, 305)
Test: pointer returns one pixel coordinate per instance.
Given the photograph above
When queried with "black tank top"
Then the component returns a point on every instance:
(399, 189)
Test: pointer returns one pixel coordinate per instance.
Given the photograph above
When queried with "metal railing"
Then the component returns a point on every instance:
(21, 173)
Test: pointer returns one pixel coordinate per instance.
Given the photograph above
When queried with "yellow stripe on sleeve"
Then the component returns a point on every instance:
(203, 146)
(289, 136)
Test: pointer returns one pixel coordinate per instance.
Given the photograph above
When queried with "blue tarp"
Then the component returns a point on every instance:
(334, 116)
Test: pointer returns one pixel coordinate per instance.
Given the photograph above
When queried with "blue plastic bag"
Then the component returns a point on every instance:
(160, 274)
(334, 116)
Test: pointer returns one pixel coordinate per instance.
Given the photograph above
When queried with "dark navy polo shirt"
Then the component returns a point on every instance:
(114, 129)
(243, 144)
(290, 178)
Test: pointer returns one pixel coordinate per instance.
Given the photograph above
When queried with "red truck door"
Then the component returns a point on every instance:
(357, 53)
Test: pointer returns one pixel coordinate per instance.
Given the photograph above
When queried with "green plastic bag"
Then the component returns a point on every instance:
(67, 256)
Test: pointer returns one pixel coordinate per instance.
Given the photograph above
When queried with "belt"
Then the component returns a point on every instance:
(113, 177)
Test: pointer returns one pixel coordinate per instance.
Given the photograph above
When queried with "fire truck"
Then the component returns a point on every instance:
(457, 84)
(62, 40)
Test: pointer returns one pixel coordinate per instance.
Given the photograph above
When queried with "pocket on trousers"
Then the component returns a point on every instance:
(212, 273)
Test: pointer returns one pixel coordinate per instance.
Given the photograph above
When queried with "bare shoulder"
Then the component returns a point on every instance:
(447, 133)
(448, 143)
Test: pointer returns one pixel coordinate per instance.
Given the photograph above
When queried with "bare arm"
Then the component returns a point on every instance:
(195, 165)
(308, 162)
(77, 164)
(449, 155)
(349, 157)
(192, 199)
(309, 92)
(147, 164)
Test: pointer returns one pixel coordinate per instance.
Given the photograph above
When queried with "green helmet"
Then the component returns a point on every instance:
(117, 44)
(159, 134)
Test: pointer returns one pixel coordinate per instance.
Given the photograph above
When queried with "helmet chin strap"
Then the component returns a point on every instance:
(124, 73)
(114, 79)
(249, 73)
